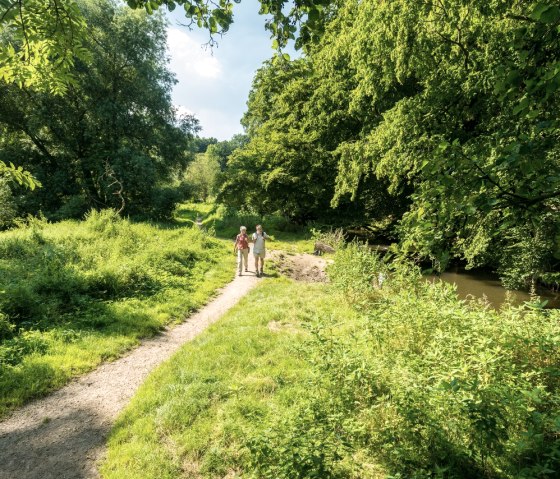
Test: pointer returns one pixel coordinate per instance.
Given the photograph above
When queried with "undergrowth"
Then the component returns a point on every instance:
(379, 374)
(74, 294)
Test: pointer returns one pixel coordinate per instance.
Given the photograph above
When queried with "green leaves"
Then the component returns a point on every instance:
(546, 12)
(19, 175)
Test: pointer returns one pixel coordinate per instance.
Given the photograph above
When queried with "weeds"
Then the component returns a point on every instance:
(75, 293)
(397, 380)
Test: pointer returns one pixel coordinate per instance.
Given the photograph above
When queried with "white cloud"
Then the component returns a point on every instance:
(218, 124)
(183, 110)
(188, 57)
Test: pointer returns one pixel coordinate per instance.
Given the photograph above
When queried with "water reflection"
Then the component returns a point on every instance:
(482, 284)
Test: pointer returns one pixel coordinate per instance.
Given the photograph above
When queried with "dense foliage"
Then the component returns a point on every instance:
(113, 139)
(75, 293)
(442, 115)
(47, 36)
(288, 165)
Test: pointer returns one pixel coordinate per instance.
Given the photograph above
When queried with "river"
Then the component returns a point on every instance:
(478, 284)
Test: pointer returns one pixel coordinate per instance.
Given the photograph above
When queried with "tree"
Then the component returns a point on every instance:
(295, 121)
(202, 144)
(441, 115)
(465, 107)
(202, 176)
(114, 138)
(221, 151)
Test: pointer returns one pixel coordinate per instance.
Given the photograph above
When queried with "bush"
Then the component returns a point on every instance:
(422, 384)
(358, 273)
(436, 388)
(164, 201)
(6, 327)
(75, 207)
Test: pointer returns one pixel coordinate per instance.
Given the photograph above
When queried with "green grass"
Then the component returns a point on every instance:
(75, 294)
(194, 415)
(349, 380)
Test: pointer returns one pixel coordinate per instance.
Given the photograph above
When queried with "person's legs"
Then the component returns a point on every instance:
(239, 261)
(246, 258)
(257, 264)
(262, 266)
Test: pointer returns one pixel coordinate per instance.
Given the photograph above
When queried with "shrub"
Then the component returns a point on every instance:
(104, 221)
(422, 384)
(433, 387)
(6, 327)
(358, 273)
(75, 207)
(164, 201)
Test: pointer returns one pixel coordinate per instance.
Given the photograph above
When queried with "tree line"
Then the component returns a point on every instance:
(442, 116)
(438, 119)
(113, 138)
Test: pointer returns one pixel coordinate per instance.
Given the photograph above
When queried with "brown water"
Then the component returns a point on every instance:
(476, 284)
(480, 284)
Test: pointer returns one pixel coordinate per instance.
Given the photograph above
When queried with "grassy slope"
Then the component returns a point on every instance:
(297, 382)
(74, 294)
(193, 415)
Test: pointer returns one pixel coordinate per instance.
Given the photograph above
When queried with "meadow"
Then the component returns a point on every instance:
(76, 293)
(353, 379)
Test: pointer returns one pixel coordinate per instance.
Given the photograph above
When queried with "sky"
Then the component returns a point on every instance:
(213, 84)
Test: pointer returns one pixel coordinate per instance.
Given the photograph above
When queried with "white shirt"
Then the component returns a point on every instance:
(259, 242)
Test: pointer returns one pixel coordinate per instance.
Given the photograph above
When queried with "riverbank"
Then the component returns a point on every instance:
(349, 379)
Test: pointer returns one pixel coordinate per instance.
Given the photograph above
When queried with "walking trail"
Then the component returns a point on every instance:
(63, 435)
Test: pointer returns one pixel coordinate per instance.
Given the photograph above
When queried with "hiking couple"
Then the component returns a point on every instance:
(242, 248)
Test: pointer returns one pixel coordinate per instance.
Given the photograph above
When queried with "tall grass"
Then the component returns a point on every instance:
(355, 379)
(73, 294)
(195, 415)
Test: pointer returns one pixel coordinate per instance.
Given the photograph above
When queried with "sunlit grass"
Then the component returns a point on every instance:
(193, 416)
(75, 294)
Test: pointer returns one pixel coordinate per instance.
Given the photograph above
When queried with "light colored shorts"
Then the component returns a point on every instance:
(259, 254)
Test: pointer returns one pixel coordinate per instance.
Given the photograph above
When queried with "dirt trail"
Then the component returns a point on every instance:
(62, 436)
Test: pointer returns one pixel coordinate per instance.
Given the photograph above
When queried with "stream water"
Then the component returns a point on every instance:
(479, 284)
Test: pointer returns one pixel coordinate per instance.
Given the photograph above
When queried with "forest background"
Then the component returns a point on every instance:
(434, 124)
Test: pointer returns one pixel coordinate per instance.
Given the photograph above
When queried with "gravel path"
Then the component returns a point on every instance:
(62, 436)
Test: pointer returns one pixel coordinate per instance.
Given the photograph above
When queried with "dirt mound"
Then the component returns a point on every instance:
(301, 267)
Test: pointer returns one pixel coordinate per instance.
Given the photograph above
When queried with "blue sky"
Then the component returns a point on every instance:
(214, 84)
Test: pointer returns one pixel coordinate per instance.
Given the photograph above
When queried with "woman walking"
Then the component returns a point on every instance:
(242, 249)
